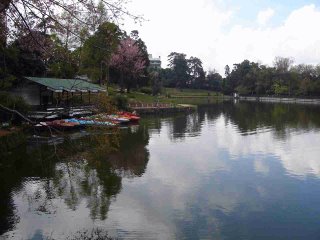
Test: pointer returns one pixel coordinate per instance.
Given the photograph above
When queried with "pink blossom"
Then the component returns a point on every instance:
(128, 58)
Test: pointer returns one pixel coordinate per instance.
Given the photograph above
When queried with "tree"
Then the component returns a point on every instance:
(128, 60)
(263, 83)
(197, 74)
(179, 65)
(227, 70)
(24, 15)
(214, 80)
(142, 46)
(144, 78)
(282, 64)
(97, 50)
(156, 82)
(30, 60)
(63, 63)
(167, 77)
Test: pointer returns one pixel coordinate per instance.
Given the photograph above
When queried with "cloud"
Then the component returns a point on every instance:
(206, 30)
(297, 154)
(296, 37)
(264, 16)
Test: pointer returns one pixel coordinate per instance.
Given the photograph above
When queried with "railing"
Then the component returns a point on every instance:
(151, 105)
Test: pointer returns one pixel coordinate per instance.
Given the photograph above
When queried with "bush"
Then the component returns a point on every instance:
(120, 101)
(16, 103)
(146, 90)
(13, 103)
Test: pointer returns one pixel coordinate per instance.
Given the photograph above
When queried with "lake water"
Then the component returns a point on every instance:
(228, 171)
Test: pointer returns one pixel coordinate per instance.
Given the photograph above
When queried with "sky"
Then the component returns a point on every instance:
(222, 32)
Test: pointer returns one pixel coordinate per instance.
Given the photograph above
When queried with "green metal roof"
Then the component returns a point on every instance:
(69, 85)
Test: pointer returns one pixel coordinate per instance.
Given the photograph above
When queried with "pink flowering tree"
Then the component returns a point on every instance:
(129, 61)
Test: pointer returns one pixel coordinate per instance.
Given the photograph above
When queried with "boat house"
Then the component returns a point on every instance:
(38, 91)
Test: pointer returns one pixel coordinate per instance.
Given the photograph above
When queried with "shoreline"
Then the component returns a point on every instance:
(282, 100)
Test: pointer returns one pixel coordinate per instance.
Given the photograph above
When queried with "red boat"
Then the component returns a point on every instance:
(131, 116)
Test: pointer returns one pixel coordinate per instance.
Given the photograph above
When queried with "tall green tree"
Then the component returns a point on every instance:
(215, 81)
(197, 74)
(179, 65)
(97, 50)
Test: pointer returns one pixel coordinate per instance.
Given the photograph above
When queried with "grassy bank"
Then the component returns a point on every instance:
(172, 95)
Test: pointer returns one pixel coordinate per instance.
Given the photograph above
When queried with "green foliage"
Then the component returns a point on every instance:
(280, 89)
(64, 63)
(120, 101)
(16, 103)
(146, 90)
(8, 60)
(7, 80)
(214, 81)
(97, 50)
(180, 69)
(13, 103)
(243, 90)
(250, 78)
(196, 72)
(156, 83)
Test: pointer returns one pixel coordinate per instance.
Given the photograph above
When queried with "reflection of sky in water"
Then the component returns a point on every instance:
(209, 181)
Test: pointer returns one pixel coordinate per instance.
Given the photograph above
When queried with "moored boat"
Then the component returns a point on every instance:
(131, 116)
(58, 124)
(89, 122)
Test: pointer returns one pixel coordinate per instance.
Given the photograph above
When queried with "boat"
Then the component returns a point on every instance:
(102, 119)
(89, 122)
(118, 118)
(58, 124)
(131, 116)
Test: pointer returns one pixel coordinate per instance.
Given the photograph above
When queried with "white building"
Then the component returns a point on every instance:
(155, 63)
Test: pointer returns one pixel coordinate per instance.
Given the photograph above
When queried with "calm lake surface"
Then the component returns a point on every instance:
(228, 171)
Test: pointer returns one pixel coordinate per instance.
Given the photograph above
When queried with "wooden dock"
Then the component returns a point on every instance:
(156, 108)
(61, 112)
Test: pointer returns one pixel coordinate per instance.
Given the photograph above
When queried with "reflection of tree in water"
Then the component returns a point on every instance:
(16, 165)
(75, 171)
(250, 116)
(186, 125)
(132, 158)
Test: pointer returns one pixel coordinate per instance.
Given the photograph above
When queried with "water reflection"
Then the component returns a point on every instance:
(69, 181)
(228, 171)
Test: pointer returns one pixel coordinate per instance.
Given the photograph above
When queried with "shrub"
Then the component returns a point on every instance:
(13, 103)
(16, 103)
(120, 101)
(146, 90)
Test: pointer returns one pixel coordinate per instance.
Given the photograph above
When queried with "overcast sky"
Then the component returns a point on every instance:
(222, 32)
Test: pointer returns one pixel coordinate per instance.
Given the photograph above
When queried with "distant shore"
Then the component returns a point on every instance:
(282, 99)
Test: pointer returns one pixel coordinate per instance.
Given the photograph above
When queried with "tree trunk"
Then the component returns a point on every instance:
(129, 85)
(102, 73)
(121, 82)
(107, 78)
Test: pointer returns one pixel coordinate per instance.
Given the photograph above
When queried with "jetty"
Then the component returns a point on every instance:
(152, 108)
